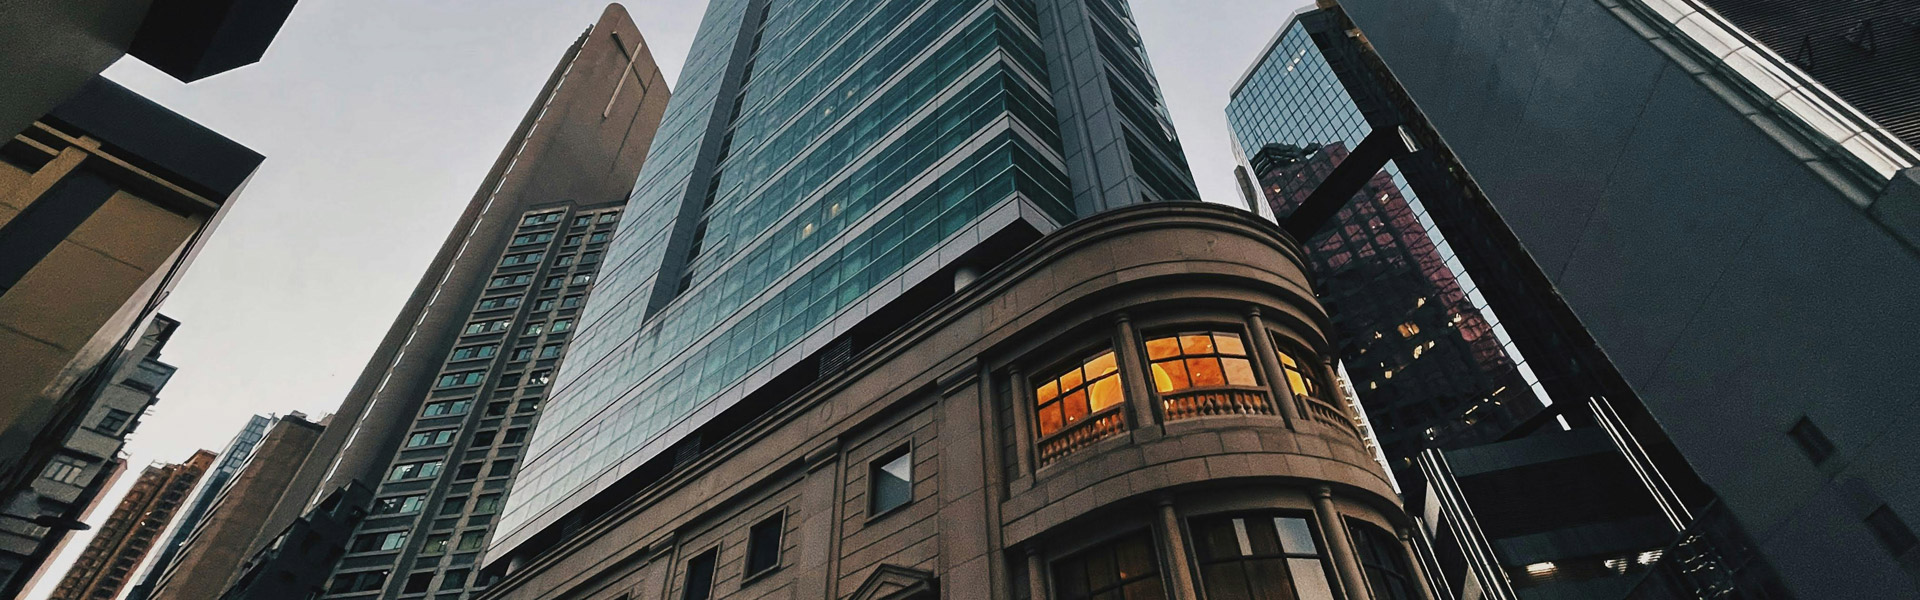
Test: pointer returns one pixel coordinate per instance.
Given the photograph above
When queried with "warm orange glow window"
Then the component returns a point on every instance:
(1199, 360)
(1297, 378)
(1090, 388)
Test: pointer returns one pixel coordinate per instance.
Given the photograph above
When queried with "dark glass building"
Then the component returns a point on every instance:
(1720, 249)
(820, 163)
(1518, 497)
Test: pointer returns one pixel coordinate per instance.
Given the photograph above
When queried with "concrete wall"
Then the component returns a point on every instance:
(1735, 289)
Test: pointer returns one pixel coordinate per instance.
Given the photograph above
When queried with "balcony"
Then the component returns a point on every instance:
(1315, 409)
(1094, 428)
(1214, 402)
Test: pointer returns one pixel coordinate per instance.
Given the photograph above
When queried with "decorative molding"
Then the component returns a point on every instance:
(890, 582)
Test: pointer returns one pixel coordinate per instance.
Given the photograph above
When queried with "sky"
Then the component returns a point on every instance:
(379, 118)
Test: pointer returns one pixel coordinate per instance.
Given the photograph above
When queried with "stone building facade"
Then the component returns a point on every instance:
(1137, 405)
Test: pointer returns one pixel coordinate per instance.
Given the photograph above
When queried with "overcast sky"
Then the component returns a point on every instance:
(378, 120)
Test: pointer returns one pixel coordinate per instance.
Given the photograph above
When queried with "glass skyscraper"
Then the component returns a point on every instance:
(819, 161)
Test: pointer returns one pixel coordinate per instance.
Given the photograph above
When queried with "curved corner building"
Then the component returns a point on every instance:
(886, 319)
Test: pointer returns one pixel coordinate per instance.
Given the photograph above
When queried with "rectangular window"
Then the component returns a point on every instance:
(506, 280)
(562, 325)
(471, 540)
(496, 409)
(763, 545)
(1811, 440)
(583, 279)
(364, 581)
(583, 220)
(540, 377)
(484, 438)
(588, 258)
(550, 351)
(475, 352)
(449, 407)
(453, 505)
(455, 578)
(890, 481)
(609, 217)
(461, 379)
(509, 380)
(570, 301)
(436, 544)
(487, 503)
(1089, 388)
(399, 505)
(1248, 553)
(66, 469)
(500, 468)
(540, 219)
(111, 422)
(543, 304)
(700, 576)
(431, 438)
(535, 328)
(418, 583)
(564, 261)
(513, 260)
(1892, 532)
(523, 354)
(599, 237)
(527, 405)
(1123, 568)
(515, 435)
(499, 302)
(554, 283)
(467, 471)
(419, 470)
(392, 540)
(573, 240)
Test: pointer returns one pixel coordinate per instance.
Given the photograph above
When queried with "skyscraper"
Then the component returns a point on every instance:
(109, 560)
(1732, 244)
(821, 165)
(232, 459)
(435, 424)
(1517, 496)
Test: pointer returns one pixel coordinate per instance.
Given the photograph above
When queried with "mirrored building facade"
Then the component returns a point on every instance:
(821, 162)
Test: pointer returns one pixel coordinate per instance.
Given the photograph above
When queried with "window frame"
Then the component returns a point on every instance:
(1322, 551)
(1181, 355)
(878, 465)
(778, 524)
(1109, 546)
(1061, 396)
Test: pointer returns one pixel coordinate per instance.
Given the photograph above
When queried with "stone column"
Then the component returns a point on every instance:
(1024, 439)
(1133, 372)
(1174, 546)
(819, 530)
(1418, 572)
(1036, 573)
(964, 523)
(1345, 563)
(1270, 362)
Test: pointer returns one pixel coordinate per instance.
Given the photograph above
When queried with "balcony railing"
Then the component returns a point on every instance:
(1315, 409)
(1080, 435)
(1214, 402)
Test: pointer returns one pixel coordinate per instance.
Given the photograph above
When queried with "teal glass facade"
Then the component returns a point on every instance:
(816, 158)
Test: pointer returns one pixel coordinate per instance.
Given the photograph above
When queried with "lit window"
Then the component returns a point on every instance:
(1199, 360)
(1241, 556)
(1299, 381)
(1088, 388)
(1409, 329)
(890, 482)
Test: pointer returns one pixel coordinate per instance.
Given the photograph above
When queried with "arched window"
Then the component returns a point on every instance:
(1388, 574)
(1199, 359)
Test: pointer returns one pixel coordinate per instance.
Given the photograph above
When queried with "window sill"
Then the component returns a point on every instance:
(877, 517)
(757, 577)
